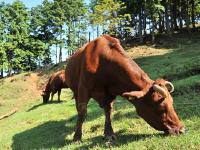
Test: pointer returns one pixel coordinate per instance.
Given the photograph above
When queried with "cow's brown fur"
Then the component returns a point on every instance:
(55, 84)
(102, 70)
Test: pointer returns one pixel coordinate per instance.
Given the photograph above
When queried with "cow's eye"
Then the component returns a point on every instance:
(163, 110)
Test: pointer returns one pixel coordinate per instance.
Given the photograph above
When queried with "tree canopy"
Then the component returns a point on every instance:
(30, 37)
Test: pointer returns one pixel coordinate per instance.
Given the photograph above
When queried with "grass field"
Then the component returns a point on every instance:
(51, 126)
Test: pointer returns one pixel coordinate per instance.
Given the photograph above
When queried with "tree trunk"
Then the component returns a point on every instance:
(56, 52)
(9, 71)
(167, 17)
(140, 25)
(160, 23)
(29, 62)
(9, 54)
(181, 13)
(60, 46)
(97, 31)
(180, 22)
(153, 32)
(49, 55)
(89, 36)
(187, 17)
(193, 17)
(174, 16)
(60, 53)
(39, 62)
(69, 40)
(78, 37)
(1, 73)
(145, 24)
(1, 70)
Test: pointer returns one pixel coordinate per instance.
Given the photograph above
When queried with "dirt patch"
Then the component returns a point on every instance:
(31, 92)
(33, 79)
(144, 51)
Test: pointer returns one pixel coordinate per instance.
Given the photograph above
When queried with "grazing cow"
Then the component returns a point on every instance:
(102, 70)
(55, 84)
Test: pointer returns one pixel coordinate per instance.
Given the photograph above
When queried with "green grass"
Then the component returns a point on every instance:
(51, 126)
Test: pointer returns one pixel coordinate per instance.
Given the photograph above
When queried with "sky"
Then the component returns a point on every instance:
(31, 3)
(28, 3)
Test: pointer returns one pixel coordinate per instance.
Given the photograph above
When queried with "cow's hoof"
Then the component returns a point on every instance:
(77, 140)
(111, 137)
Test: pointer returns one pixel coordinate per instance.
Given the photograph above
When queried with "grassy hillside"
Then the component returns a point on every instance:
(16, 91)
(51, 126)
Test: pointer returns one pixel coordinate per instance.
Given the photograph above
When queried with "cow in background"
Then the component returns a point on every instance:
(55, 84)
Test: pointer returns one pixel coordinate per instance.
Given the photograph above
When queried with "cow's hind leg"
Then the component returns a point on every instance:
(52, 94)
(81, 106)
(59, 92)
(108, 130)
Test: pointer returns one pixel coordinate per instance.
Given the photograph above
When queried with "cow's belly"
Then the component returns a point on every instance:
(102, 96)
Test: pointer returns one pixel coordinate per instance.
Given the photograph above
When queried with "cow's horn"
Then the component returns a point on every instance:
(169, 86)
(160, 90)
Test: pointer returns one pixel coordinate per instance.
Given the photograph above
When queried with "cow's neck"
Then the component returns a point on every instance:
(48, 89)
(137, 79)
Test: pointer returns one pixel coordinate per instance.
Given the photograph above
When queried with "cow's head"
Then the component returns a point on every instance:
(45, 95)
(156, 107)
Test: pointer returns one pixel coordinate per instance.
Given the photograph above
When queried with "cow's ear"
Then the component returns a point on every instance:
(92, 56)
(134, 95)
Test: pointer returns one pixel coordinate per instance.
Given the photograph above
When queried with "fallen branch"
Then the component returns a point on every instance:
(8, 114)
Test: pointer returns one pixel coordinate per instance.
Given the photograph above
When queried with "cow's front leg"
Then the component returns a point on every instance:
(108, 130)
(81, 106)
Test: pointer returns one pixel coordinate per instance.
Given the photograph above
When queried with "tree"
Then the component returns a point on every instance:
(15, 18)
(154, 9)
(41, 29)
(66, 16)
(2, 35)
(105, 13)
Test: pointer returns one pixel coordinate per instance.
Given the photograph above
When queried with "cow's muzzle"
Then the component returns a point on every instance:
(176, 131)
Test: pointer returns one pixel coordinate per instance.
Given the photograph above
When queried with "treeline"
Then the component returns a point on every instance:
(163, 16)
(30, 37)
(145, 18)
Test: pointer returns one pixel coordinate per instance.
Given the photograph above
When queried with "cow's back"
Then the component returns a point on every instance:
(57, 81)
(101, 66)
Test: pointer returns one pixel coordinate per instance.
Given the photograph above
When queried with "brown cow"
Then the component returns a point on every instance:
(102, 70)
(55, 84)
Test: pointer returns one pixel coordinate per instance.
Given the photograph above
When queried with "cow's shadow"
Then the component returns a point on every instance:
(45, 136)
(51, 135)
(42, 104)
(122, 139)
